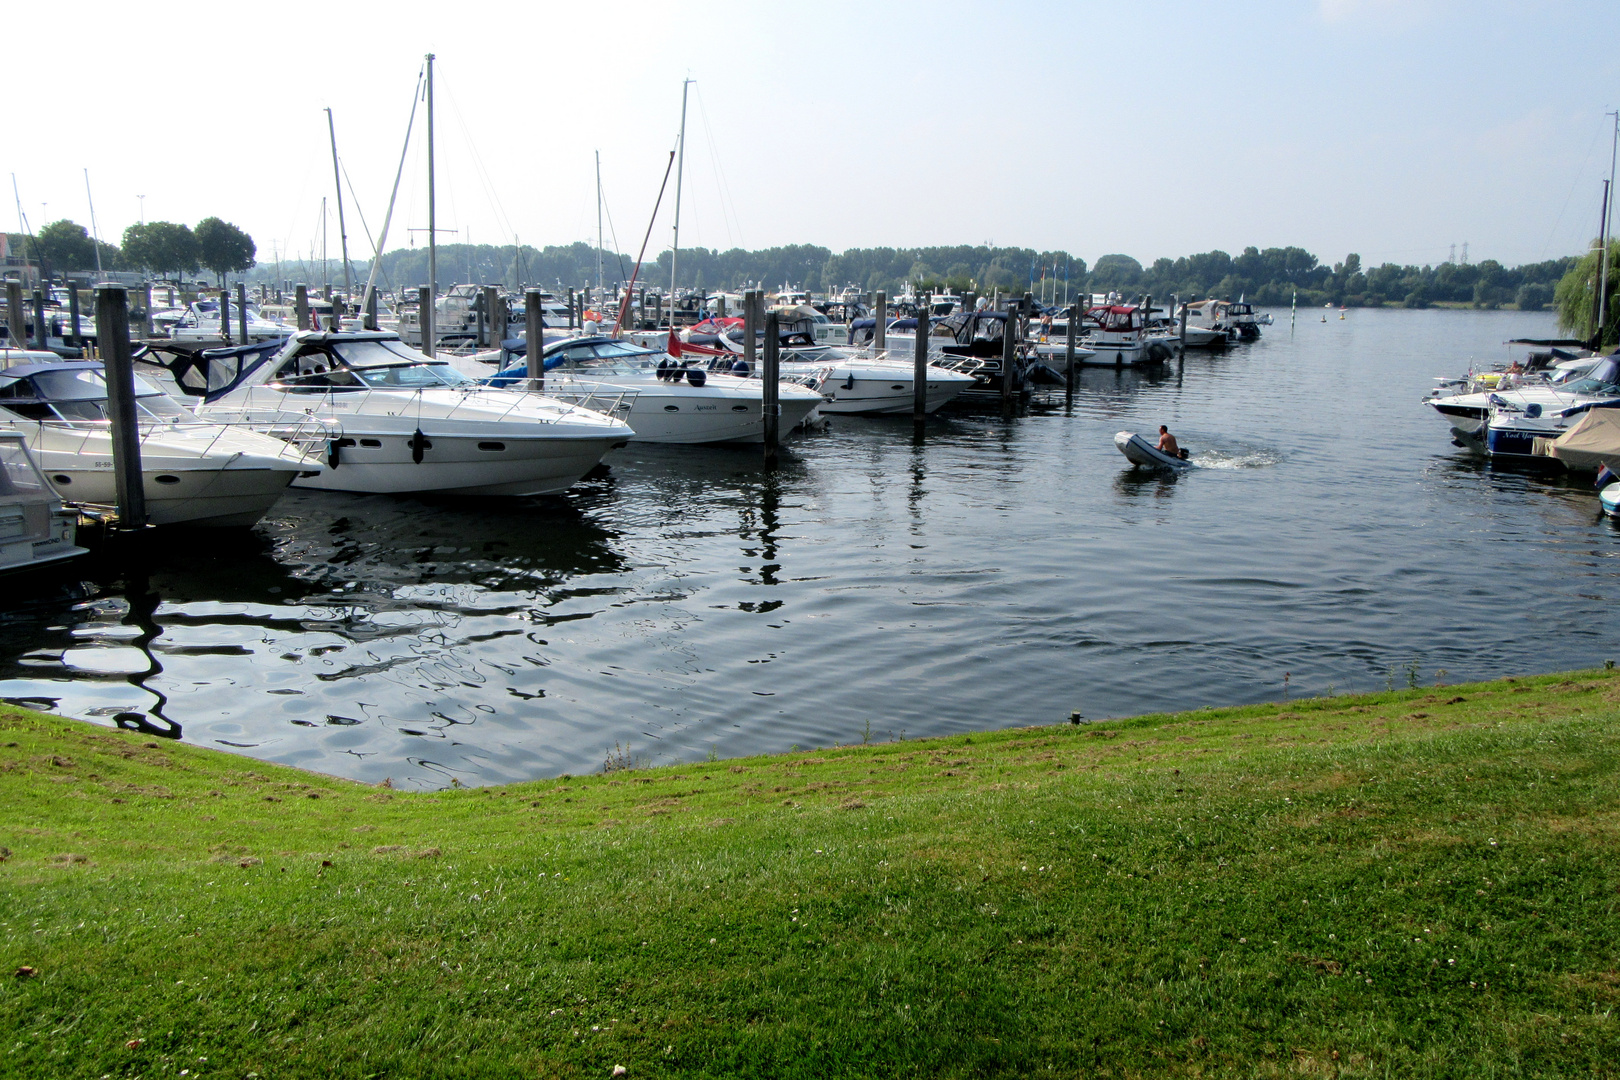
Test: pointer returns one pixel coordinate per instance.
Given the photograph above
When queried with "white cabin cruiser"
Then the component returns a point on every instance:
(859, 382)
(400, 421)
(1120, 339)
(1573, 384)
(35, 528)
(201, 322)
(667, 403)
(194, 471)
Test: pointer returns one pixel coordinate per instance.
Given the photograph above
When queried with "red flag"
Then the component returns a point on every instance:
(674, 346)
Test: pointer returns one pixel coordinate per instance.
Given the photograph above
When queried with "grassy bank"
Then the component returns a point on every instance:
(1420, 883)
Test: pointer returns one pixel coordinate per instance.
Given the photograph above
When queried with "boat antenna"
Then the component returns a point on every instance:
(624, 303)
(343, 231)
(599, 219)
(680, 168)
(95, 235)
(382, 238)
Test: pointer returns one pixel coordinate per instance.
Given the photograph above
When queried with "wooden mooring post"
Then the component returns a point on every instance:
(112, 330)
(1008, 330)
(146, 310)
(14, 315)
(919, 373)
(41, 333)
(880, 332)
(301, 305)
(241, 312)
(371, 309)
(495, 330)
(1068, 349)
(73, 315)
(534, 340)
(771, 374)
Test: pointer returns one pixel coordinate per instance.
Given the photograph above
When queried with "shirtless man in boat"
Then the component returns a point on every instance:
(1167, 442)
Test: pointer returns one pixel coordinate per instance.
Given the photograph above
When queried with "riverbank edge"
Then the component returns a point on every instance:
(75, 730)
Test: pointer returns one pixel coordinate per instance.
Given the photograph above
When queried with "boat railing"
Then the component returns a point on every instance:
(614, 401)
(306, 432)
(99, 432)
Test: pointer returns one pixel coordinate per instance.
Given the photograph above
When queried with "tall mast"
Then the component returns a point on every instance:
(1603, 234)
(326, 267)
(680, 167)
(343, 232)
(599, 219)
(95, 235)
(433, 236)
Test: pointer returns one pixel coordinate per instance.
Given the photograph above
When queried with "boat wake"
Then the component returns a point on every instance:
(1236, 458)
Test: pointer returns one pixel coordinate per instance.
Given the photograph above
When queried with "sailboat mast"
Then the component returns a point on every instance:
(382, 239)
(95, 234)
(599, 219)
(326, 266)
(343, 231)
(680, 167)
(433, 235)
(1603, 278)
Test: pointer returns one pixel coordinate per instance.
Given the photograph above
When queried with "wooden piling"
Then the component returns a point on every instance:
(41, 334)
(112, 330)
(1183, 327)
(495, 330)
(146, 310)
(73, 315)
(225, 315)
(750, 329)
(501, 320)
(371, 309)
(771, 374)
(970, 300)
(534, 340)
(919, 371)
(425, 317)
(301, 305)
(14, 315)
(241, 311)
(1008, 352)
(572, 324)
(880, 332)
(1068, 348)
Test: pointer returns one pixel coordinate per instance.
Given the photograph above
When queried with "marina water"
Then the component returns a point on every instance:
(682, 603)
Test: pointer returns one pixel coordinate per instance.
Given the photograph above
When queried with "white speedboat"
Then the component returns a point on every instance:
(402, 422)
(1138, 451)
(1120, 339)
(35, 528)
(194, 471)
(667, 402)
(1528, 402)
(201, 323)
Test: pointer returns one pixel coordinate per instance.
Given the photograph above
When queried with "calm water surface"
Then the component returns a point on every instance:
(1004, 572)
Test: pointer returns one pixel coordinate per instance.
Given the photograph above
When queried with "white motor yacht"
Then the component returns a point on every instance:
(194, 471)
(402, 422)
(1120, 339)
(858, 381)
(667, 402)
(201, 322)
(35, 528)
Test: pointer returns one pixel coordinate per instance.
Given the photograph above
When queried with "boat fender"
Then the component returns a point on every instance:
(418, 440)
(332, 456)
(696, 376)
(1532, 410)
(850, 384)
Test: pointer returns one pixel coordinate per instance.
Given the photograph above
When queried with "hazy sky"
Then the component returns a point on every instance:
(1393, 128)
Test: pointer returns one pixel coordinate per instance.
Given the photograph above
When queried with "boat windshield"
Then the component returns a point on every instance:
(81, 394)
(1603, 379)
(423, 376)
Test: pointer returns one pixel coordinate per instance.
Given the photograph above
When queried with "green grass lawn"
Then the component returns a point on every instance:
(1420, 883)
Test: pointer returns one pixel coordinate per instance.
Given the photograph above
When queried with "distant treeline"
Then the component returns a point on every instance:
(1270, 277)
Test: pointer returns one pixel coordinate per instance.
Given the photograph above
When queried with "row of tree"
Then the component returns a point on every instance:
(160, 247)
(1273, 276)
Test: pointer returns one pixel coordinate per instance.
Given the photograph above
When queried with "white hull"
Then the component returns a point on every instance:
(725, 409)
(383, 463)
(876, 388)
(218, 481)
